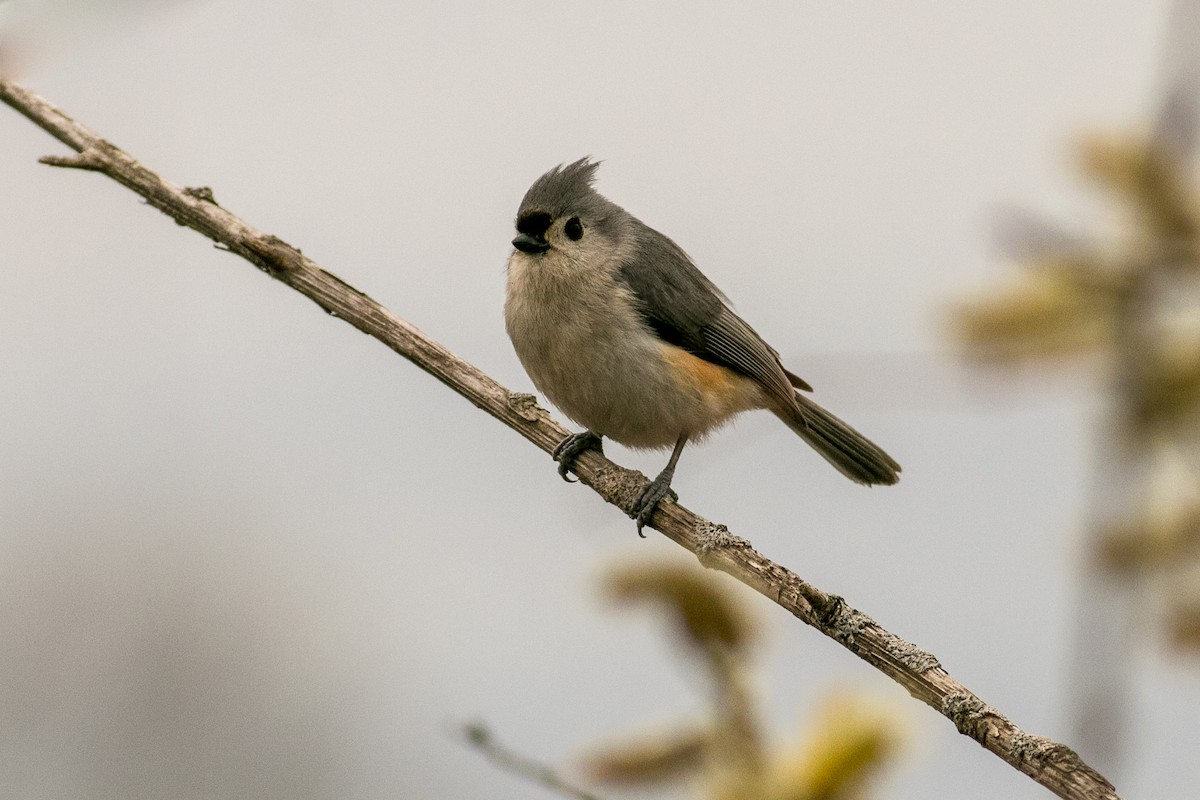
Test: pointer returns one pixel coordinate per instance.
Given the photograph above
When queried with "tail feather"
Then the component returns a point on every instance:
(855, 456)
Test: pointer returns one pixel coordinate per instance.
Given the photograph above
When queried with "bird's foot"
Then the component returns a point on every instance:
(647, 501)
(569, 449)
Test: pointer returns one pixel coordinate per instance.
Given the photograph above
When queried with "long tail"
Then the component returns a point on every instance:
(855, 456)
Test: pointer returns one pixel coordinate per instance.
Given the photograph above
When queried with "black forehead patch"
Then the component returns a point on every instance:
(534, 223)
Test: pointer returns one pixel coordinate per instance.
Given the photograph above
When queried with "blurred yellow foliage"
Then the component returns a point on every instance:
(1148, 179)
(724, 756)
(1172, 392)
(849, 738)
(703, 610)
(1059, 309)
(650, 759)
(1136, 301)
(1152, 541)
(1183, 620)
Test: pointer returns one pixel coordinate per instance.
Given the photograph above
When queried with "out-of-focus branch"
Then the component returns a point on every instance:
(1051, 764)
(479, 737)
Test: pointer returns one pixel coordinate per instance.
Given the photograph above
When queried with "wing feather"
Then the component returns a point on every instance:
(684, 308)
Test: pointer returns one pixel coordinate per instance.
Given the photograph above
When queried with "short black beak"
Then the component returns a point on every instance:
(528, 243)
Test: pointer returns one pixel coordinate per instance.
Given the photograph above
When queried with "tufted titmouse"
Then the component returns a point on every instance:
(621, 331)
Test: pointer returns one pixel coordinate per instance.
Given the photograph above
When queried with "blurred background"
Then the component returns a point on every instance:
(247, 551)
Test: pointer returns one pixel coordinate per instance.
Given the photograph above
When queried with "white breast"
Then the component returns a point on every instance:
(586, 348)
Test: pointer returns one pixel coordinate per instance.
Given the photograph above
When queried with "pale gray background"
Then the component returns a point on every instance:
(247, 551)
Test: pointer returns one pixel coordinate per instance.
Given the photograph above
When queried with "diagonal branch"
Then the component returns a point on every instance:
(1051, 764)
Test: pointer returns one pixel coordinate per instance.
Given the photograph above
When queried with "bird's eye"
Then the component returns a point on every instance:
(574, 229)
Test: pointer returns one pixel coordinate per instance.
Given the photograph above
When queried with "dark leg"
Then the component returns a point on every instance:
(570, 448)
(658, 488)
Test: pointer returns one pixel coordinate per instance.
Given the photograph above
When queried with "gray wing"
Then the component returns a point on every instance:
(685, 309)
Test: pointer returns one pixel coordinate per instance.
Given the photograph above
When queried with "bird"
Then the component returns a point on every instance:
(619, 329)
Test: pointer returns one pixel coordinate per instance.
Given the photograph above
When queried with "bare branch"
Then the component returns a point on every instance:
(84, 160)
(1053, 765)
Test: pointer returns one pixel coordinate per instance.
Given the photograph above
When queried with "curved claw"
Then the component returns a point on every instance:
(658, 488)
(643, 509)
(562, 473)
(569, 449)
